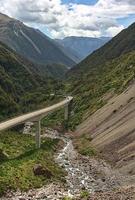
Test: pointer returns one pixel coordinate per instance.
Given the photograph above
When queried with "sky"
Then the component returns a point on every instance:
(63, 18)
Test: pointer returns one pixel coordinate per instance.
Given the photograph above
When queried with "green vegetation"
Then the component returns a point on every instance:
(19, 159)
(67, 198)
(54, 119)
(56, 71)
(83, 146)
(109, 69)
(87, 151)
(89, 90)
(22, 88)
(84, 194)
(121, 44)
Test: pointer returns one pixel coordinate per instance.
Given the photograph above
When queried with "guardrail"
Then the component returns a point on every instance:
(36, 116)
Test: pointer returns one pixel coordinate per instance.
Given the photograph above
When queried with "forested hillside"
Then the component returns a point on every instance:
(109, 69)
(22, 87)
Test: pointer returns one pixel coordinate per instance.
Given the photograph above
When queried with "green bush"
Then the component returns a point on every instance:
(16, 170)
(88, 151)
(67, 198)
(84, 194)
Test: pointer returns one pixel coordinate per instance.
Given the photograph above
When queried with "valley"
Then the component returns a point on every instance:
(31, 43)
(81, 47)
(84, 176)
(88, 151)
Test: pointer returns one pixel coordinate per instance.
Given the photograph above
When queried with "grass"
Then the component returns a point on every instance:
(67, 198)
(83, 146)
(84, 194)
(20, 157)
(88, 151)
(89, 87)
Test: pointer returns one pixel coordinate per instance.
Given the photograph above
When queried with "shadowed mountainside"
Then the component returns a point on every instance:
(22, 87)
(31, 43)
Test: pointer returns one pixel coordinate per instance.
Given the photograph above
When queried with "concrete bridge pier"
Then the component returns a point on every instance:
(36, 117)
(38, 126)
(38, 134)
(66, 112)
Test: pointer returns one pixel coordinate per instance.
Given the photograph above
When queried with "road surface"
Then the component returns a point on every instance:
(36, 115)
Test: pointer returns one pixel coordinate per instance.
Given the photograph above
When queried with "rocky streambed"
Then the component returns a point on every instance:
(83, 174)
(91, 175)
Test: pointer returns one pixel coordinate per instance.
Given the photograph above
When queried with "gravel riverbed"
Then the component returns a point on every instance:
(91, 174)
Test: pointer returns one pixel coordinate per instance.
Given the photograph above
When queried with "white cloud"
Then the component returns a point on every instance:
(71, 19)
(112, 31)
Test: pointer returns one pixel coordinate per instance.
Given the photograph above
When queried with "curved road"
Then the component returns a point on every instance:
(34, 115)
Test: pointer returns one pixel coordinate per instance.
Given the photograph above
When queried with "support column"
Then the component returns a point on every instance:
(66, 117)
(66, 112)
(37, 136)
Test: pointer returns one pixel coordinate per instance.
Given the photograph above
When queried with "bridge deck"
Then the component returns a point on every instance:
(34, 115)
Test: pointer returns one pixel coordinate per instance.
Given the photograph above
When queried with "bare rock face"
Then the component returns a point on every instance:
(39, 170)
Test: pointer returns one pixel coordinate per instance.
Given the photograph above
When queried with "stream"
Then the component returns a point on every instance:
(83, 173)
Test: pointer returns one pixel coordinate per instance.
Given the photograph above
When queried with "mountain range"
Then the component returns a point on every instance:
(36, 46)
(121, 44)
(31, 43)
(80, 47)
(103, 87)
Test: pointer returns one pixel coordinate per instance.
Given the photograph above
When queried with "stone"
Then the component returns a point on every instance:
(81, 174)
(39, 170)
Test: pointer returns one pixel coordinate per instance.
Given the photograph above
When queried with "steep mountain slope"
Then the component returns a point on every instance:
(56, 71)
(31, 43)
(100, 73)
(68, 51)
(104, 89)
(21, 84)
(81, 47)
(123, 43)
(112, 131)
(90, 88)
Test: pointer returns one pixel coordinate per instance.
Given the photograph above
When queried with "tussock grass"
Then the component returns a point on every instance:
(84, 147)
(16, 169)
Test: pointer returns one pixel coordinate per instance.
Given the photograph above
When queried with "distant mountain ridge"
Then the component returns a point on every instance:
(31, 43)
(121, 44)
(81, 47)
(36, 46)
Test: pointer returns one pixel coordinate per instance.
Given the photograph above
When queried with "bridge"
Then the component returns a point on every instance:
(37, 116)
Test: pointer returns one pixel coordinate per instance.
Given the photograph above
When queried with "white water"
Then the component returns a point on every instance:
(81, 174)
(76, 178)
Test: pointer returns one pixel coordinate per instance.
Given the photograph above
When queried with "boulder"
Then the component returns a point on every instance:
(40, 170)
